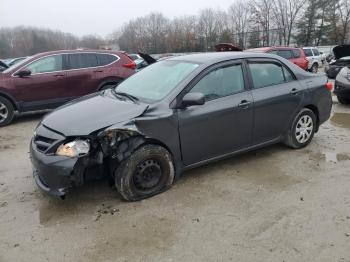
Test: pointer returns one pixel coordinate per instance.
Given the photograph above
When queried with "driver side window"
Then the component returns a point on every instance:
(221, 82)
(46, 65)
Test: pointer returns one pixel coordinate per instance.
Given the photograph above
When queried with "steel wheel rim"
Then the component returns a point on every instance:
(314, 69)
(304, 129)
(148, 175)
(3, 112)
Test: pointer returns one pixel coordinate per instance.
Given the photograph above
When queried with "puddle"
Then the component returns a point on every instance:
(330, 157)
(341, 119)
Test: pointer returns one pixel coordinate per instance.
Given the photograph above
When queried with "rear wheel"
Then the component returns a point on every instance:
(147, 172)
(7, 111)
(343, 100)
(302, 130)
(314, 68)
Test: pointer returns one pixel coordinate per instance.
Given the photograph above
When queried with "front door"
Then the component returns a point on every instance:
(45, 85)
(224, 123)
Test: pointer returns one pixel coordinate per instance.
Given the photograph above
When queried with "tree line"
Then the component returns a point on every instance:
(25, 41)
(246, 23)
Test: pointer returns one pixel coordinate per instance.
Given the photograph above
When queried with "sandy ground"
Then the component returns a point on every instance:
(274, 204)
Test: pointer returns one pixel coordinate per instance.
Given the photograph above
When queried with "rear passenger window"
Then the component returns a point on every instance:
(106, 59)
(287, 54)
(296, 53)
(78, 61)
(268, 74)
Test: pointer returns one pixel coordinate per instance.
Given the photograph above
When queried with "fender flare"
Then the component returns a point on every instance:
(10, 98)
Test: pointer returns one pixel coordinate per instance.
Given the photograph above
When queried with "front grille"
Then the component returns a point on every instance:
(43, 143)
(46, 140)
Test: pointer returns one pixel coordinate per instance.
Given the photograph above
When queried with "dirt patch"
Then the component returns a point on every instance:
(341, 119)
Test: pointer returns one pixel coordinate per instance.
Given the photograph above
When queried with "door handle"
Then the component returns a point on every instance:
(58, 75)
(294, 91)
(244, 104)
(98, 71)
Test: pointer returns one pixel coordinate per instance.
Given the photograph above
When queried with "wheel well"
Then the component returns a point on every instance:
(315, 110)
(9, 99)
(157, 142)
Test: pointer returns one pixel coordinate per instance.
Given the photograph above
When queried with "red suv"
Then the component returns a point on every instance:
(295, 55)
(48, 80)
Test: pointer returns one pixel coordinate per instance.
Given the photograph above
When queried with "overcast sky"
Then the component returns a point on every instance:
(99, 17)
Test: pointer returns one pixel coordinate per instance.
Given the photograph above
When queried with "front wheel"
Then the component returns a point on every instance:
(302, 130)
(147, 172)
(7, 111)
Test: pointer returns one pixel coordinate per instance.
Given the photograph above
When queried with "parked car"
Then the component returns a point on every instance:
(341, 58)
(313, 56)
(342, 86)
(48, 80)
(178, 114)
(295, 55)
(3, 66)
(14, 61)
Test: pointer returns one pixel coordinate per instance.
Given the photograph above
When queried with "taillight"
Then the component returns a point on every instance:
(131, 65)
(329, 86)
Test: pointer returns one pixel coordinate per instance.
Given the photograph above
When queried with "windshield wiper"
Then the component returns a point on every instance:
(131, 97)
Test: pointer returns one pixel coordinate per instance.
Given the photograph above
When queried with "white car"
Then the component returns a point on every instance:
(314, 57)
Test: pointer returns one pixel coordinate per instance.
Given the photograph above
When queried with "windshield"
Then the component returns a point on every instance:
(155, 82)
(18, 64)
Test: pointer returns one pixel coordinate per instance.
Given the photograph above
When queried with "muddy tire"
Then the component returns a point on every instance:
(302, 129)
(314, 68)
(343, 100)
(7, 111)
(147, 172)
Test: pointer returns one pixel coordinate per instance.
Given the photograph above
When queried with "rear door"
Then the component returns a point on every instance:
(224, 123)
(82, 74)
(277, 96)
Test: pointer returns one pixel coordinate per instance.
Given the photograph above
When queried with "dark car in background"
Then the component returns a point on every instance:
(342, 86)
(48, 80)
(178, 114)
(294, 55)
(3, 66)
(341, 58)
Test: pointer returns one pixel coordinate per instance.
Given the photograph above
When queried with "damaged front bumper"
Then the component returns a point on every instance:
(52, 174)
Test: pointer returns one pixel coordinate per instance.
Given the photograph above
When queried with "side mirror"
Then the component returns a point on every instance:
(192, 99)
(23, 73)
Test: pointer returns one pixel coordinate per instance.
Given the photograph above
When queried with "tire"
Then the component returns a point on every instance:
(314, 68)
(108, 86)
(299, 139)
(343, 100)
(147, 172)
(7, 111)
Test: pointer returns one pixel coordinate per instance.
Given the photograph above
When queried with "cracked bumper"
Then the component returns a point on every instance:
(52, 174)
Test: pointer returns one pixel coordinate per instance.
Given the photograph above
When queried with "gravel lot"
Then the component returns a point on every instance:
(274, 204)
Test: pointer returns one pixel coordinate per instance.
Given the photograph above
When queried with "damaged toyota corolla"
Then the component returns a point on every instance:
(175, 115)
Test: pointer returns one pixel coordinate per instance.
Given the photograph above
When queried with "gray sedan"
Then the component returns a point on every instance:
(178, 114)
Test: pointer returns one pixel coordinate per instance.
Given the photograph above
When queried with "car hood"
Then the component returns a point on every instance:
(341, 51)
(91, 113)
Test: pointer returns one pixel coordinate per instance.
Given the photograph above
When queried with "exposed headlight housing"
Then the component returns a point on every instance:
(75, 148)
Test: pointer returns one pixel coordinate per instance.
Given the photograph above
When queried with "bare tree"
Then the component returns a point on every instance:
(344, 14)
(240, 15)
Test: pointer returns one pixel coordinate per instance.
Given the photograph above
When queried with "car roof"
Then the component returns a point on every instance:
(211, 58)
(77, 51)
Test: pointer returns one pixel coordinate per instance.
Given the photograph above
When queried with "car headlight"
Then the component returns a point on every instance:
(75, 148)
